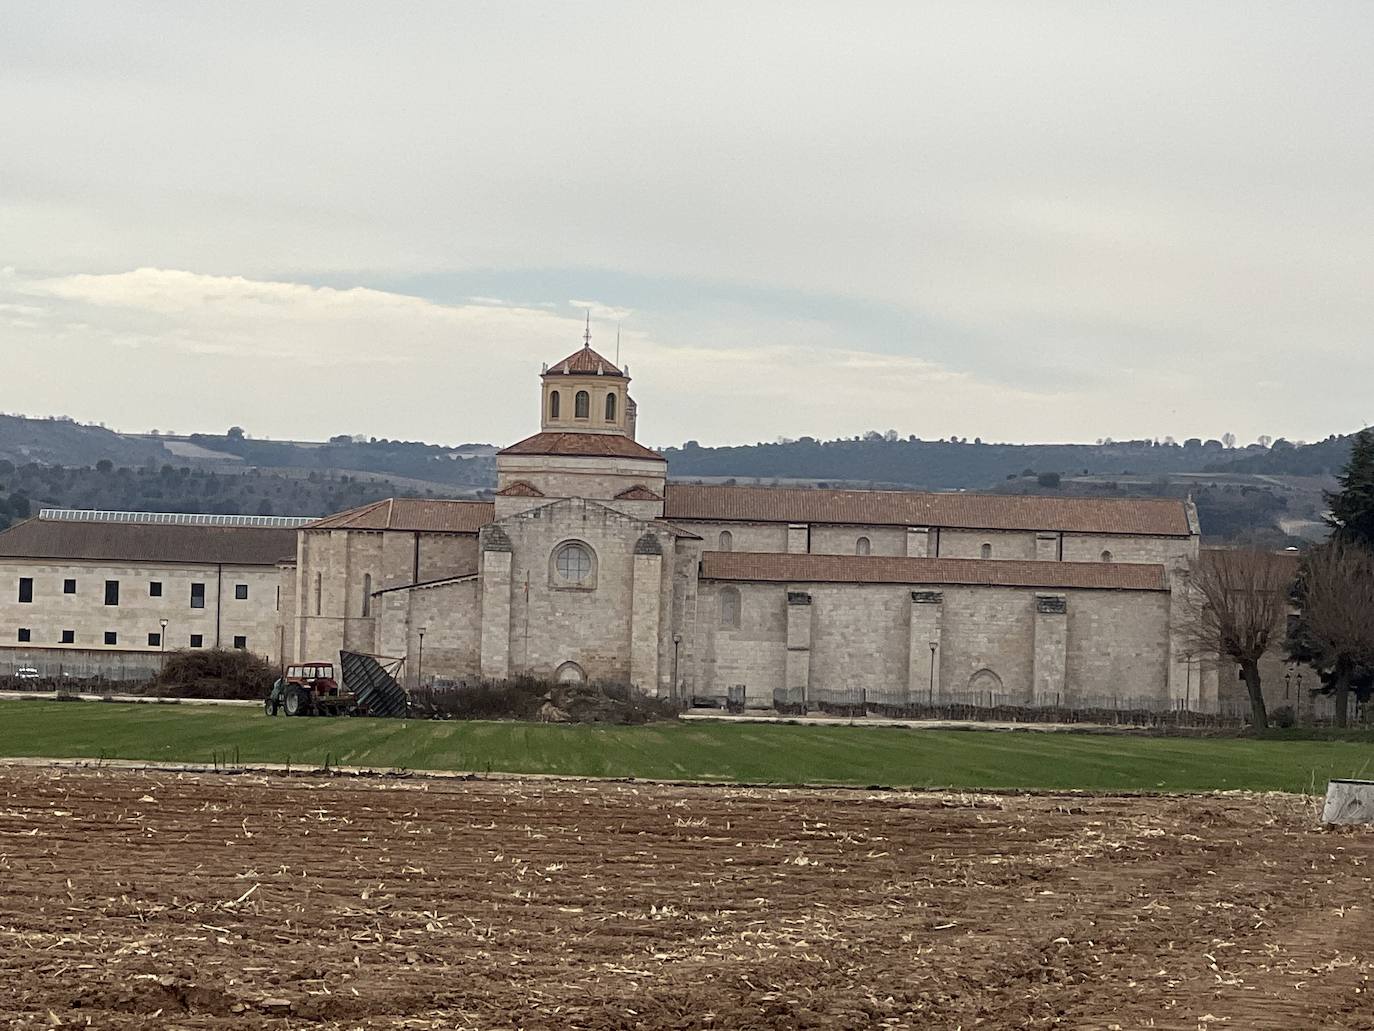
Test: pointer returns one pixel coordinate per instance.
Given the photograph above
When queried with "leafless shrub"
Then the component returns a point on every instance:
(1236, 608)
(1337, 598)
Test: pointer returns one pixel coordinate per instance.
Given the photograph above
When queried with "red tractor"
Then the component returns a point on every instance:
(309, 689)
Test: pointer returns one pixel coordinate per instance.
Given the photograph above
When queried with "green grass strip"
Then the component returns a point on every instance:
(743, 752)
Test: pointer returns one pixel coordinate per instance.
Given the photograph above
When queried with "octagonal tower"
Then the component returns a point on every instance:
(585, 393)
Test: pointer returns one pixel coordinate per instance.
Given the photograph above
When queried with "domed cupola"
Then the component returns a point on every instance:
(585, 393)
(585, 447)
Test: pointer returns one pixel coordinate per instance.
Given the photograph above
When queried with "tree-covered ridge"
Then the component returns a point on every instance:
(960, 464)
(1324, 458)
(26, 489)
(463, 466)
(62, 441)
(883, 458)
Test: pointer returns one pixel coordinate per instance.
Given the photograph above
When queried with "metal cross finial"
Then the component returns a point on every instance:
(587, 336)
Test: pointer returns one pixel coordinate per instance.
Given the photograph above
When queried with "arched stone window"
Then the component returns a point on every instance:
(863, 546)
(1106, 556)
(582, 405)
(570, 673)
(367, 594)
(729, 608)
(574, 565)
(727, 541)
(986, 551)
(554, 400)
(610, 408)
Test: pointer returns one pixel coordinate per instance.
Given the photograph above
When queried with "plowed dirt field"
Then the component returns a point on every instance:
(157, 900)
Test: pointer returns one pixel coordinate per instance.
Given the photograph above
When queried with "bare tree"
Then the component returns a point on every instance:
(1236, 608)
(1337, 624)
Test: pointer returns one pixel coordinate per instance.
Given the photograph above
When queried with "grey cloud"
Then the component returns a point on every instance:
(1161, 203)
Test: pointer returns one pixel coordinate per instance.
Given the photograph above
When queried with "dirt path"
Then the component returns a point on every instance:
(156, 900)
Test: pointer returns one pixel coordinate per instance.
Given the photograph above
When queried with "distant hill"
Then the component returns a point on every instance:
(941, 464)
(63, 442)
(1271, 494)
(468, 465)
(60, 441)
(28, 488)
(872, 459)
(1324, 458)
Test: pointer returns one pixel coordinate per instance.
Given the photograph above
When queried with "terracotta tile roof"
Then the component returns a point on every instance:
(676, 531)
(638, 492)
(463, 571)
(424, 514)
(584, 361)
(520, 489)
(865, 569)
(609, 445)
(143, 542)
(1151, 516)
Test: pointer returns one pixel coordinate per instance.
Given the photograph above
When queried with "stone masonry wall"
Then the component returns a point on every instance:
(991, 642)
(860, 639)
(552, 623)
(843, 540)
(1006, 544)
(138, 613)
(451, 616)
(1162, 550)
(754, 653)
(1118, 646)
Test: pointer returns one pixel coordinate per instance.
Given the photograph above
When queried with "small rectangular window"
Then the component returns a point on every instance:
(154, 640)
(68, 586)
(197, 596)
(24, 634)
(25, 589)
(241, 592)
(155, 588)
(111, 637)
(197, 640)
(111, 592)
(240, 643)
(68, 637)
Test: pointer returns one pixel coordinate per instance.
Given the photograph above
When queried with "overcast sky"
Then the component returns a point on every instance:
(1020, 221)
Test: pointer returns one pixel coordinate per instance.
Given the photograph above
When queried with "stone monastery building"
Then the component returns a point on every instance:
(589, 564)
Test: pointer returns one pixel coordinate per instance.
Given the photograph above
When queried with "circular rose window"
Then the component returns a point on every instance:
(574, 563)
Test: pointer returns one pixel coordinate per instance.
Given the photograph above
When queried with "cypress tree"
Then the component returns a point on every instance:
(1352, 507)
(1352, 522)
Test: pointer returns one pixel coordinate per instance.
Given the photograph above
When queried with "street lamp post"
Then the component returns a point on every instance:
(420, 665)
(162, 645)
(930, 700)
(677, 640)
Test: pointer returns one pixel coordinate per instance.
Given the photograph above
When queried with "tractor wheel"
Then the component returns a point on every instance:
(269, 706)
(297, 702)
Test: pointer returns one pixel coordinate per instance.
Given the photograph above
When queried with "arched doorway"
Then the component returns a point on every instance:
(570, 673)
(985, 686)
